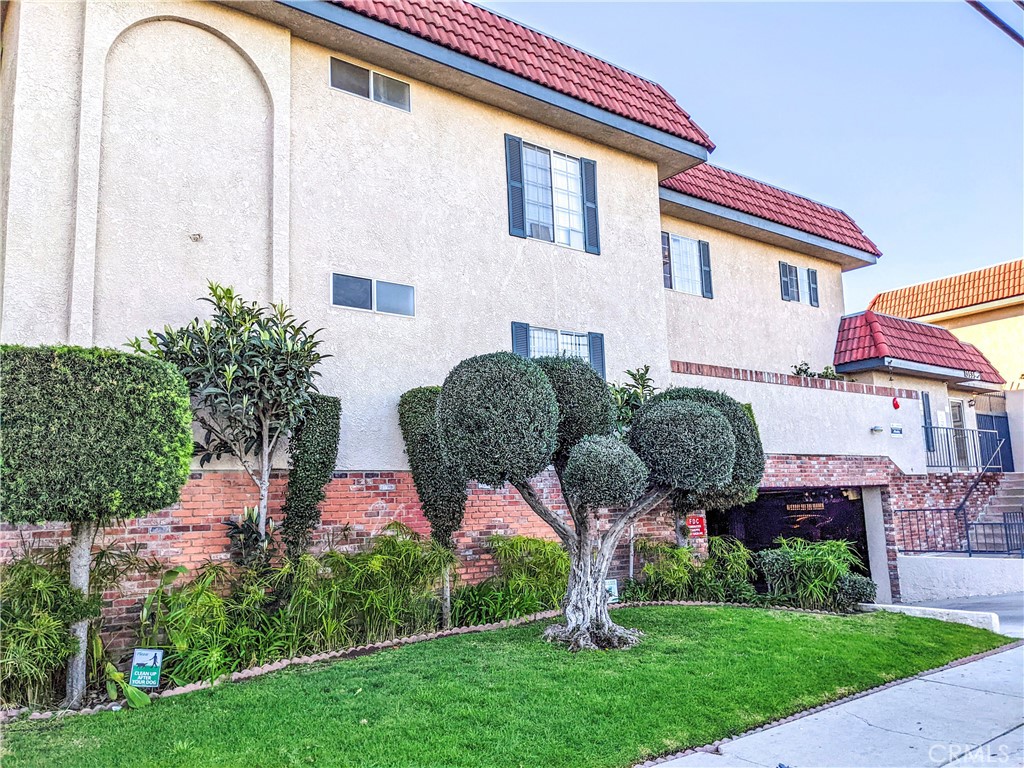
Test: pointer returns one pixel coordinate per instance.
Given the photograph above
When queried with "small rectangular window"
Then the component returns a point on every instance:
(349, 77)
(374, 295)
(395, 298)
(389, 91)
(799, 284)
(355, 292)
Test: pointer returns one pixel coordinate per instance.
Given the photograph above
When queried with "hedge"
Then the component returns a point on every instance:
(313, 451)
(90, 434)
(439, 482)
(602, 471)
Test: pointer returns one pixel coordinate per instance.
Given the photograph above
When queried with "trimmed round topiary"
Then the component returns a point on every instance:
(748, 464)
(497, 418)
(602, 471)
(439, 483)
(584, 402)
(684, 444)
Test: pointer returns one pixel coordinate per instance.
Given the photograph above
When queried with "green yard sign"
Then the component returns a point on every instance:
(146, 663)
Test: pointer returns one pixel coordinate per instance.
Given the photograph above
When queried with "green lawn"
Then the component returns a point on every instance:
(505, 698)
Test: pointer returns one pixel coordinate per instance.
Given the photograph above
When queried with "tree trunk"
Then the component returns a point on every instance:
(587, 621)
(82, 535)
(446, 598)
(264, 489)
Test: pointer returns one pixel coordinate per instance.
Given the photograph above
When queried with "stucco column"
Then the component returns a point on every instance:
(881, 544)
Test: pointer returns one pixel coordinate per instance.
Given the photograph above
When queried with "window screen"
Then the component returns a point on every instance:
(349, 77)
(396, 298)
(356, 292)
(389, 91)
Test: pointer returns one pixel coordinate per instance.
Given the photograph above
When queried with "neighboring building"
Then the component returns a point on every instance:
(984, 308)
(426, 180)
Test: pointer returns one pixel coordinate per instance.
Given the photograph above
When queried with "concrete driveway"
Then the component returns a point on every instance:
(1009, 608)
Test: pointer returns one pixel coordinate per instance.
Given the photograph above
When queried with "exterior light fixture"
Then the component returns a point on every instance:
(877, 430)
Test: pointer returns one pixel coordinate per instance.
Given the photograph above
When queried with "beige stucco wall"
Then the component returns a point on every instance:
(195, 119)
(999, 334)
(747, 324)
(809, 421)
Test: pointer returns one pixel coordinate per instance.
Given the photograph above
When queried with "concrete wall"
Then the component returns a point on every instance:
(747, 324)
(1015, 416)
(801, 420)
(925, 577)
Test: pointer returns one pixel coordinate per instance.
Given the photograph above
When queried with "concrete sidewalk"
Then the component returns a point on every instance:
(966, 716)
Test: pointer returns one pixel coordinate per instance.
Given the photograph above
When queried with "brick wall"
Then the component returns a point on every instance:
(360, 504)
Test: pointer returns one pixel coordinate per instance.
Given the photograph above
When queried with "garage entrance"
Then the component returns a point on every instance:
(816, 514)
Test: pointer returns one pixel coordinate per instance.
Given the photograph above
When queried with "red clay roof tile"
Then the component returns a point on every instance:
(981, 286)
(869, 335)
(500, 42)
(732, 190)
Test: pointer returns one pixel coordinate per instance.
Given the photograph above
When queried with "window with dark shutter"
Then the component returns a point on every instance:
(794, 283)
(705, 270)
(929, 435)
(591, 233)
(595, 342)
(812, 286)
(514, 172)
(666, 259)
(784, 281)
(521, 339)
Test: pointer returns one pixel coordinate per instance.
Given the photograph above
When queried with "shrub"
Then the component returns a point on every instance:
(439, 482)
(532, 576)
(584, 402)
(725, 574)
(684, 444)
(604, 472)
(250, 372)
(748, 463)
(853, 588)
(806, 573)
(498, 418)
(89, 436)
(630, 397)
(313, 449)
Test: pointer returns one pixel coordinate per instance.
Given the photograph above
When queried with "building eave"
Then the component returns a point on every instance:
(689, 208)
(349, 32)
(962, 379)
(973, 309)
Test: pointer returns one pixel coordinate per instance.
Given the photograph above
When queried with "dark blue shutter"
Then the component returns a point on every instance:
(516, 198)
(705, 270)
(521, 339)
(784, 280)
(929, 436)
(666, 259)
(595, 343)
(812, 286)
(591, 235)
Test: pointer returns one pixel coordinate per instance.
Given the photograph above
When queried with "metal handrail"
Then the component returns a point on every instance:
(962, 506)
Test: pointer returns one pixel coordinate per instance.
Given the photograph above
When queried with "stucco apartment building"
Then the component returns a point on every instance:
(427, 181)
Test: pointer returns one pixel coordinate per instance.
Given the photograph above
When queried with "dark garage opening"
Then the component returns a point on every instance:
(816, 514)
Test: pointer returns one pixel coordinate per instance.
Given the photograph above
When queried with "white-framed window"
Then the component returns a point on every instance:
(372, 295)
(686, 264)
(799, 284)
(363, 82)
(553, 190)
(537, 341)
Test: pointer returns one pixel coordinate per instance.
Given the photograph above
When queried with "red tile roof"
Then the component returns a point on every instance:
(1002, 281)
(502, 43)
(717, 185)
(870, 335)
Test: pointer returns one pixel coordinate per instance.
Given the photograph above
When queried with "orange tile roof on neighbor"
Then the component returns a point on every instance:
(488, 37)
(870, 335)
(1003, 281)
(717, 185)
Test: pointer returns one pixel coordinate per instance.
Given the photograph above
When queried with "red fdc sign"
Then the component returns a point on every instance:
(698, 526)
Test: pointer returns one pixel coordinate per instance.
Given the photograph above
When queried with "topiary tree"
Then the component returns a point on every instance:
(439, 482)
(748, 468)
(250, 371)
(89, 436)
(503, 418)
(313, 451)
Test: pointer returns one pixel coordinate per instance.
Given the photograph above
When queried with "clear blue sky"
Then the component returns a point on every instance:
(908, 116)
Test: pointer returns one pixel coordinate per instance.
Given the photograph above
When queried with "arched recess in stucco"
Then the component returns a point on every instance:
(185, 181)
